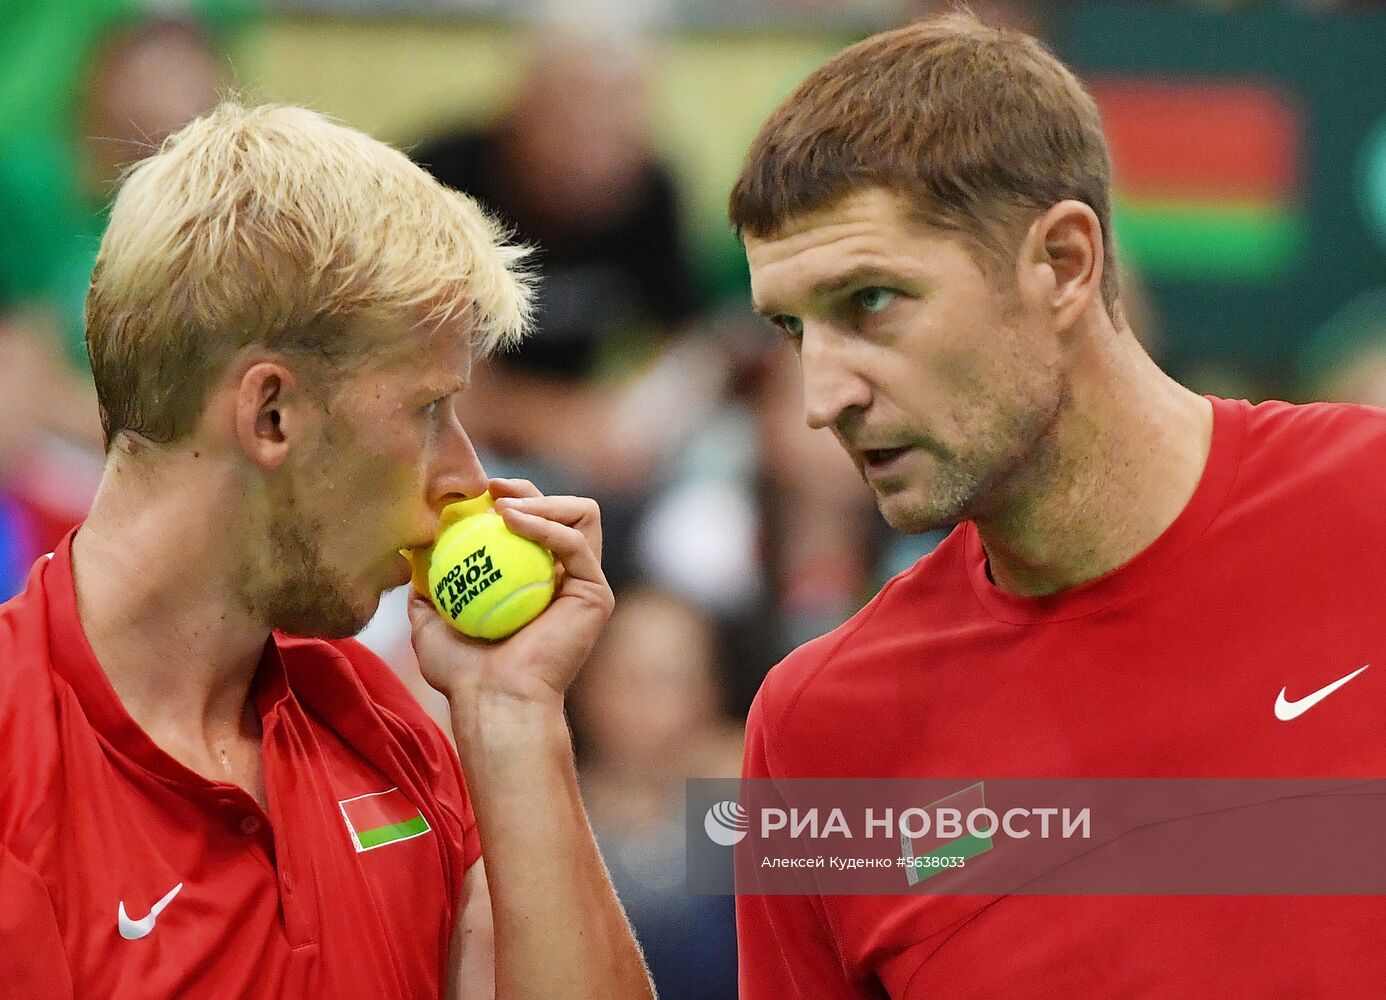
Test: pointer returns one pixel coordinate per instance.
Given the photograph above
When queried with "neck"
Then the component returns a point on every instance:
(153, 573)
(1122, 459)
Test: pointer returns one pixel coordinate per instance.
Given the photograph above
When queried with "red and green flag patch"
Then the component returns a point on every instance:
(381, 818)
(926, 851)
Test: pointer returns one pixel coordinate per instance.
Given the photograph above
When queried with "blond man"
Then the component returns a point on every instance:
(211, 790)
(1144, 582)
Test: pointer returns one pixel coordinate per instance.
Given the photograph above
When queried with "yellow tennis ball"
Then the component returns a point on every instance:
(485, 579)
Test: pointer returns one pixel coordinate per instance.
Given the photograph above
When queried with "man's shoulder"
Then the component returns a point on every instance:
(29, 727)
(1332, 434)
(24, 645)
(1309, 457)
(876, 641)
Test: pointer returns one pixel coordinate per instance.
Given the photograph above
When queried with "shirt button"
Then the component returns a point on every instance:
(250, 825)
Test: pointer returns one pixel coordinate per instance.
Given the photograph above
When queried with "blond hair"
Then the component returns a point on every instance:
(276, 226)
(980, 128)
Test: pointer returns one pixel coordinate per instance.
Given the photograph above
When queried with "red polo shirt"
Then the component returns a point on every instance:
(124, 874)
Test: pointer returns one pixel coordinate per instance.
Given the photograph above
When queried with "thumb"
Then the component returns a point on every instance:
(425, 620)
(431, 629)
(420, 609)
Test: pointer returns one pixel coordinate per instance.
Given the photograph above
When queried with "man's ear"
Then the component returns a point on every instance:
(273, 409)
(1063, 257)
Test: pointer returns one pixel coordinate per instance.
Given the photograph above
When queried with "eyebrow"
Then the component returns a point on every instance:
(862, 275)
(442, 387)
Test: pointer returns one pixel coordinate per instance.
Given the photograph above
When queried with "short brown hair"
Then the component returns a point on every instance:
(980, 128)
(275, 226)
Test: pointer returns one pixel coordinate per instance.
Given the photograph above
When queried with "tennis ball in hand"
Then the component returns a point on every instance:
(485, 579)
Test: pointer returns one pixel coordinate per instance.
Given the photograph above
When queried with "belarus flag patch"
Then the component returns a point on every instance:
(381, 818)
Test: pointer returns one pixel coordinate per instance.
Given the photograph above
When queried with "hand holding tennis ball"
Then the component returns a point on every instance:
(484, 579)
(503, 690)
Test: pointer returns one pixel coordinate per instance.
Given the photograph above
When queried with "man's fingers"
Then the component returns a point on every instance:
(574, 512)
(512, 488)
(568, 544)
(428, 624)
(424, 618)
(421, 610)
(541, 659)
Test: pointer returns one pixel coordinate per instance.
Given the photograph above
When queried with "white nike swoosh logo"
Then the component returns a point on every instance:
(133, 930)
(1285, 710)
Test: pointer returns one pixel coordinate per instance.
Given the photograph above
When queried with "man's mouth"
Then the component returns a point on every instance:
(878, 461)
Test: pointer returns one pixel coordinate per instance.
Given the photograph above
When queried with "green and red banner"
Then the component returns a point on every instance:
(381, 818)
(1207, 177)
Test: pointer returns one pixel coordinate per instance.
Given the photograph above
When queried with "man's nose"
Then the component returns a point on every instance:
(455, 470)
(832, 383)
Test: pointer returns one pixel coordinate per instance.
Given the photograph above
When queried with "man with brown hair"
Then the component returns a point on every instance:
(1136, 572)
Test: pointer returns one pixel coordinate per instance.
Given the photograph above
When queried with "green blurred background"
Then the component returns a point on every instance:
(1235, 297)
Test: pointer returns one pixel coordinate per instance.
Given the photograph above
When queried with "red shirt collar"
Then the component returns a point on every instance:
(73, 660)
(1150, 565)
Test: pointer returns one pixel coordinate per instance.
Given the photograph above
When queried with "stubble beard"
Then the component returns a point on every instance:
(302, 594)
(978, 483)
(945, 502)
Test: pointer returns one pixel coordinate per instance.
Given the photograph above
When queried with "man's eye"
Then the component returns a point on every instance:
(874, 300)
(791, 325)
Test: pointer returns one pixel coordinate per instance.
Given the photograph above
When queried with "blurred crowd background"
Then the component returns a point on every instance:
(1250, 148)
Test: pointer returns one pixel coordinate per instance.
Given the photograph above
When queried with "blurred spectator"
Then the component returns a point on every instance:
(626, 391)
(570, 166)
(144, 81)
(614, 386)
(148, 78)
(647, 712)
(43, 492)
(676, 464)
(820, 514)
